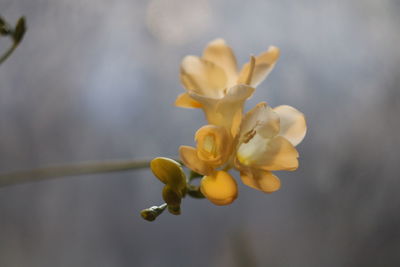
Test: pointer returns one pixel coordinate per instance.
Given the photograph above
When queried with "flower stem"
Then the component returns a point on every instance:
(8, 52)
(52, 172)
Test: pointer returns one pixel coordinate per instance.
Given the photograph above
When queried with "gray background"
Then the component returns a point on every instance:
(96, 80)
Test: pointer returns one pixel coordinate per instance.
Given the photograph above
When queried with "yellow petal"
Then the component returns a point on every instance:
(260, 120)
(185, 101)
(189, 157)
(214, 144)
(220, 188)
(202, 77)
(268, 154)
(222, 111)
(264, 65)
(293, 124)
(261, 180)
(222, 55)
(169, 172)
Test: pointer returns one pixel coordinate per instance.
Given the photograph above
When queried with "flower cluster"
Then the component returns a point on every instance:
(254, 143)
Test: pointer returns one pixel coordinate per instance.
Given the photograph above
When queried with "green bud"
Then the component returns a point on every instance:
(194, 191)
(175, 210)
(4, 27)
(20, 30)
(171, 197)
(153, 212)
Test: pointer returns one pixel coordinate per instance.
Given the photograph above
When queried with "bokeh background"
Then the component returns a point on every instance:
(96, 80)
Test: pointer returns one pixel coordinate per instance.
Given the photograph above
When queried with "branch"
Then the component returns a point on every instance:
(53, 172)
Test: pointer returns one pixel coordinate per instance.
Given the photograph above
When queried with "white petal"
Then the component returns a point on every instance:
(260, 120)
(268, 154)
(293, 124)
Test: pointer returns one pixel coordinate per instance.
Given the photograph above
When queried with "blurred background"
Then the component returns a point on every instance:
(96, 80)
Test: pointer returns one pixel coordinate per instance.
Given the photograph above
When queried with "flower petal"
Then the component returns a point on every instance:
(268, 154)
(202, 77)
(189, 157)
(261, 180)
(222, 111)
(220, 188)
(214, 144)
(222, 55)
(264, 65)
(185, 101)
(260, 120)
(293, 124)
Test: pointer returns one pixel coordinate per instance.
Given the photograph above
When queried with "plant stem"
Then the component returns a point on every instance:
(53, 172)
(8, 52)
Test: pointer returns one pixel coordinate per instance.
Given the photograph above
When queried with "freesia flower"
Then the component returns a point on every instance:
(213, 150)
(213, 82)
(265, 142)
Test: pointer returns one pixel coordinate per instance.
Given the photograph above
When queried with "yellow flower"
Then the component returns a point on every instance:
(214, 147)
(213, 150)
(266, 142)
(213, 83)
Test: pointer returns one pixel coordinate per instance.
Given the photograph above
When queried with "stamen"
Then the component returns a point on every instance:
(251, 69)
(249, 135)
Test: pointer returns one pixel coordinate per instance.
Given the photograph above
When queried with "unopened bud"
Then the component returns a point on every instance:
(169, 172)
(175, 210)
(171, 197)
(152, 213)
(20, 30)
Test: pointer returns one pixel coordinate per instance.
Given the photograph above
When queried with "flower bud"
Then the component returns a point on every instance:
(169, 172)
(220, 188)
(153, 212)
(171, 197)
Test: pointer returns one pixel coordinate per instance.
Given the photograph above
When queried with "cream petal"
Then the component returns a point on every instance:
(222, 111)
(202, 77)
(185, 101)
(264, 65)
(272, 154)
(222, 55)
(293, 124)
(220, 188)
(260, 120)
(189, 157)
(261, 180)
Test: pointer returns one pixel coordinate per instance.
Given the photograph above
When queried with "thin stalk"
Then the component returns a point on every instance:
(8, 52)
(52, 172)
